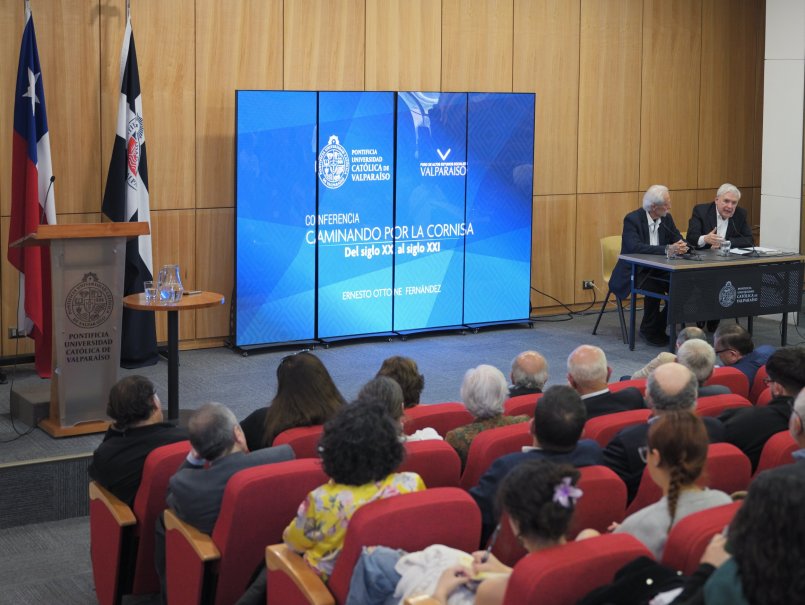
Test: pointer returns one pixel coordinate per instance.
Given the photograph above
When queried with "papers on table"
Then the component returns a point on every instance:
(760, 249)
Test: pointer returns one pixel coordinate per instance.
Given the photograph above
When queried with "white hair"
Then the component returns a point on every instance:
(799, 404)
(654, 196)
(529, 380)
(728, 188)
(588, 371)
(484, 390)
(699, 357)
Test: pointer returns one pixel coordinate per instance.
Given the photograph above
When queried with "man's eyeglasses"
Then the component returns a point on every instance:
(720, 351)
(642, 451)
(767, 381)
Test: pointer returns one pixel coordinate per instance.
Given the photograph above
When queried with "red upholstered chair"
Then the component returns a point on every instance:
(764, 398)
(715, 404)
(758, 384)
(638, 383)
(446, 515)
(258, 504)
(732, 378)
(777, 451)
(434, 460)
(603, 428)
(442, 417)
(490, 445)
(688, 538)
(304, 440)
(521, 405)
(122, 538)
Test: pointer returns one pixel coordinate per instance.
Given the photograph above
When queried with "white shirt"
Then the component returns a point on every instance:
(653, 230)
(721, 229)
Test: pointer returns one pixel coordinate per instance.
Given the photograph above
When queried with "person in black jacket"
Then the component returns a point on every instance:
(720, 220)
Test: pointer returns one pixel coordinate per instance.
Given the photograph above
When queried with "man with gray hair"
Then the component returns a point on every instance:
(721, 220)
(529, 374)
(671, 387)
(796, 425)
(588, 373)
(700, 358)
(648, 230)
(689, 333)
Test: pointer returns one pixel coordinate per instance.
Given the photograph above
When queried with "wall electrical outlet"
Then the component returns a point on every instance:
(587, 284)
(15, 333)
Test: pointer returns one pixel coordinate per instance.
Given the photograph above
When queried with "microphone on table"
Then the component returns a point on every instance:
(690, 254)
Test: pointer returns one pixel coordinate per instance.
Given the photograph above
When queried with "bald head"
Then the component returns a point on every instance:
(529, 370)
(587, 369)
(672, 386)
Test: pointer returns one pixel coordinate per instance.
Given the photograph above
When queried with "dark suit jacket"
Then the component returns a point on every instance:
(195, 493)
(587, 453)
(516, 391)
(749, 428)
(636, 241)
(703, 221)
(621, 454)
(611, 402)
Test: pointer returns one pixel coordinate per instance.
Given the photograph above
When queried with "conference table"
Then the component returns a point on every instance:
(706, 285)
(196, 300)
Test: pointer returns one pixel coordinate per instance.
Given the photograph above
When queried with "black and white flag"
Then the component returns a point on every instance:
(126, 199)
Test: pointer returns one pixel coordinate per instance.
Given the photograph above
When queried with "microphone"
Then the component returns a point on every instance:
(689, 254)
(47, 193)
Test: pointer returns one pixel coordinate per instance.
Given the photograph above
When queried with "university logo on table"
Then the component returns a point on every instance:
(89, 303)
(135, 139)
(333, 164)
(727, 295)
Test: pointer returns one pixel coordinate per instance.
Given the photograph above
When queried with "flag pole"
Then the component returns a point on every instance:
(128, 9)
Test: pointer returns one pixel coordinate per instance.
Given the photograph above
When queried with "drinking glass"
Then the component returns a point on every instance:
(724, 249)
(150, 292)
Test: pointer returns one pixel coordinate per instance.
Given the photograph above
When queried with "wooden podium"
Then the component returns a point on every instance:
(87, 266)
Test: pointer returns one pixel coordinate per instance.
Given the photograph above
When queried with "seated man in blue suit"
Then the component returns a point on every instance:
(558, 422)
(648, 231)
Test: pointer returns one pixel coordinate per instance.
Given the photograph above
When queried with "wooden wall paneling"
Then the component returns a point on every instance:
(609, 95)
(403, 45)
(477, 45)
(11, 22)
(10, 292)
(597, 215)
(553, 260)
(215, 267)
(727, 110)
(760, 57)
(669, 122)
(682, 203)
(252, 30)
(173, 237)
(324, 44)
(546, 61)
(750, 199)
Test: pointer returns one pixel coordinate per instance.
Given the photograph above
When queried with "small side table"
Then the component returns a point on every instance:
(189, 301)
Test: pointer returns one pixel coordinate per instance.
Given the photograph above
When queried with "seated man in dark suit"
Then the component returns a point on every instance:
(558, 422)
(648, 231)
(138, 429)
(734, 347)
(714, 222)
(588, 373)
(750, 428)
(671, 387)
(529, 374)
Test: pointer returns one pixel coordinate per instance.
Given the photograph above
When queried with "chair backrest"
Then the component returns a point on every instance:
(715, 404)
(688, 538)
(442, 417)
(490, 445)
(112, 544)
(434, 460)
(564, 574)
(758, 384)
(764, 398)
(603, 428)
(445, 515)
(777, 451)
(521, 405)
(258, 504)
(304, 440)
(638, 383)
(160, 465)
(610, 249)
(732, 378)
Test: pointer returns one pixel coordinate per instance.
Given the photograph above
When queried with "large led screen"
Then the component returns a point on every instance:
(276, 193)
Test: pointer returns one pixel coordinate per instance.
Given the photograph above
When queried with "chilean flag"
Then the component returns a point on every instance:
(32, 199)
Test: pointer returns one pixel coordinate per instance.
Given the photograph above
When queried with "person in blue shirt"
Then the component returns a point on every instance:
(734, 347)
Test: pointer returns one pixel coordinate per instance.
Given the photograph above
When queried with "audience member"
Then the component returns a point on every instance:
(734, 347)
(796, 425)
(670, 388)
(750, 428)
(386, 392)
(588, 373)
(405, 371)
(529, 374)
(700, 358)
(675, 456)
(558, 422)
(138, 429)
(685, 334)
(306, 396)
(483, 392)
(649, 230)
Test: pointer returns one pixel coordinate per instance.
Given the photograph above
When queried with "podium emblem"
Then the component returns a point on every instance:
(89, 303)
(727, 295)
(333, 164)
